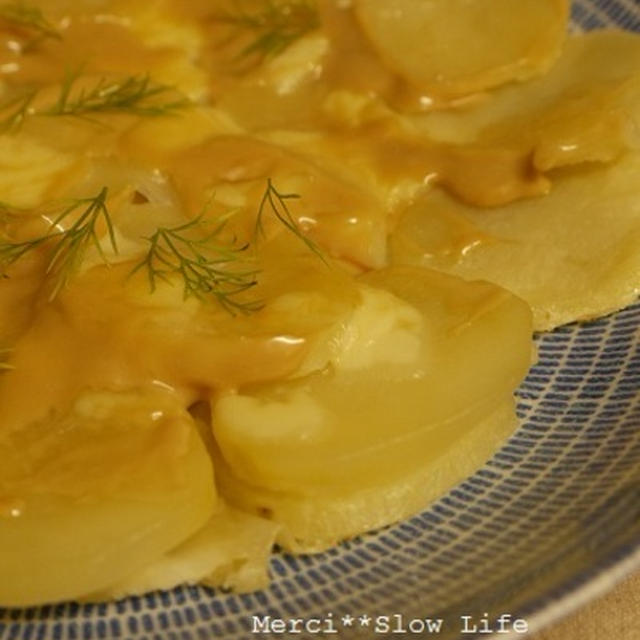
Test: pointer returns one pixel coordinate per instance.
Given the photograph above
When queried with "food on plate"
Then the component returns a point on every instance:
(572, 255)
(232, 548)
(586, 109)
(268, 268)
(579, 260)
(97, 493)
(440, 356)
(439, 48)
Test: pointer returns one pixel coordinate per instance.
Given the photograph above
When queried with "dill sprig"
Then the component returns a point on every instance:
(68, 246)
(133, 94)
(29, 18)
(276, 202)
(205, 266)
(138, 95)
(19, 109)
(272, 27)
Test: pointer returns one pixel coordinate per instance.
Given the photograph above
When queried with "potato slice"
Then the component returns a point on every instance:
(423, 360)
(313, 522)
(88, 497)
(231, 550)
(586, 109)
(452, 48)
(231, 172)
(572, 255)
(29, 169)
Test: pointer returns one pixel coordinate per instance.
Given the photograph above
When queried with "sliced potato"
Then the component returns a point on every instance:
(587, 108)
(572, 255)
(452, 48)
(29, 169)
(314, 521)
(88, 497)
(181, 41)
(423, 360)
(231, 173)
(397, 164)
(231, 550)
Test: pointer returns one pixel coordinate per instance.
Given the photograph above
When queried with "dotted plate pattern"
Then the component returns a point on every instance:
(550, 522)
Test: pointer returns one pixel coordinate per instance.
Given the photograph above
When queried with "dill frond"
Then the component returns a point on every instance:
(72, 245)
(18, 110)
(276, 203)
(138, 95)
(205, 267)
(11, 252)
(29, 18)
(272, 27)
(68, 246)
(133, 94)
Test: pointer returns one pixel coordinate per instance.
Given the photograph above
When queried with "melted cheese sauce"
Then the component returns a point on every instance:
(325, 126)
(94, 335)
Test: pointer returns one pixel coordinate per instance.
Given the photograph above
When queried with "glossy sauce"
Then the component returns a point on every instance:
(102, 331)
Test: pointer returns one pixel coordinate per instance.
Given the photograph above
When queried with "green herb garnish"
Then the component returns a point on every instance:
(28, 18)
(271, 27)
(19, 109)
(206, 266)
(133, 94)
(206, 263)
(137, 95)
(276, 203)
(68, 246)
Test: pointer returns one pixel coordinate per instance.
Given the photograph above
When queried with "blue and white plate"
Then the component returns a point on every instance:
(552, 521)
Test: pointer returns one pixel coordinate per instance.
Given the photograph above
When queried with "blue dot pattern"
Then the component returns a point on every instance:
(555, 510)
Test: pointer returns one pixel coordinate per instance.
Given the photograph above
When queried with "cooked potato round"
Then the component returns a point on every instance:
(88, 498)
(312, 522)
(571, 255)
(423, 361)
(232, 549)
(586, 109)
(437, 46)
